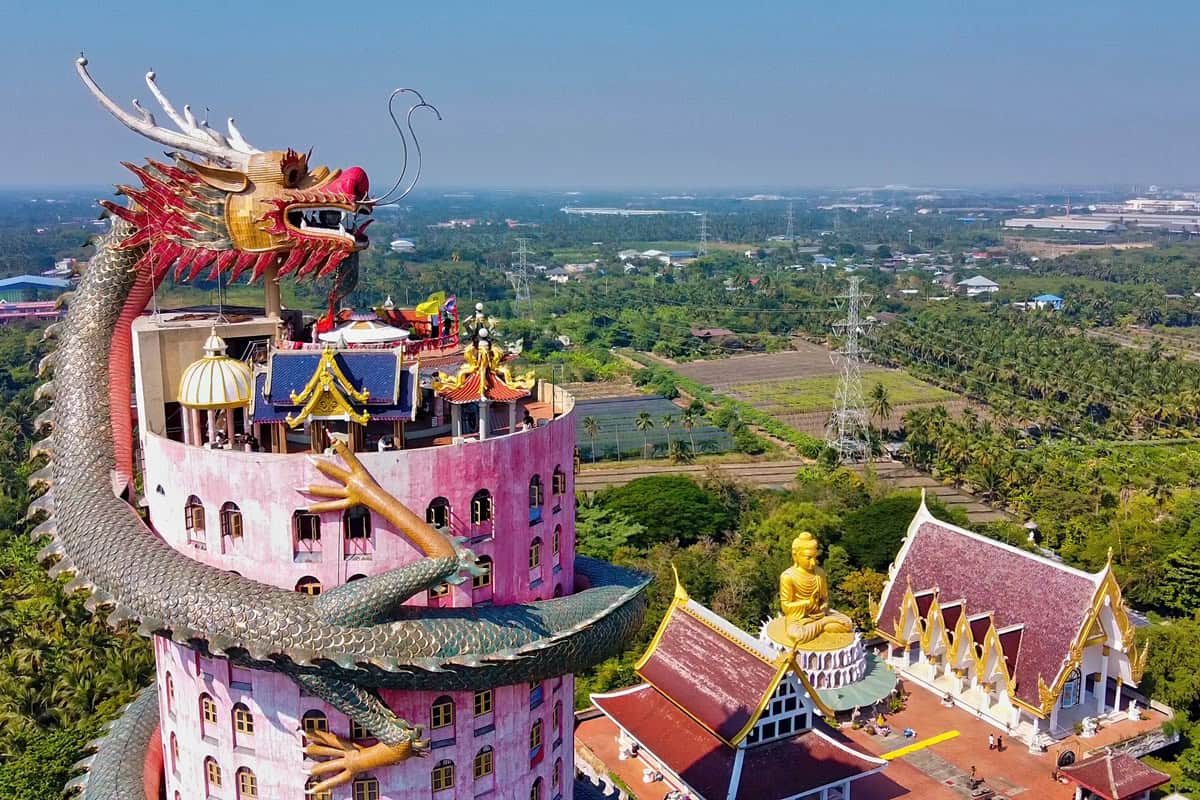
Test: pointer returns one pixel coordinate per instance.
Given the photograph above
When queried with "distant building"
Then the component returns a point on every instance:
(403, 246)
(1114, 776)
(978, 285)
(719, 337)
(1052, 301)
(1062, 223)
(32, 287)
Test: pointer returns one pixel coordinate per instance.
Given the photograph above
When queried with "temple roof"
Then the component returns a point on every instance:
(1115, 776)
(999, 585)
(720, 674)
(490, 387)
(357, 385)
(773, 771)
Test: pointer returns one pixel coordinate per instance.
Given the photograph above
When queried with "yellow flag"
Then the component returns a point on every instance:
(432, 306)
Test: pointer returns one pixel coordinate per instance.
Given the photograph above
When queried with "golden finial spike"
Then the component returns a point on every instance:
(681, 595)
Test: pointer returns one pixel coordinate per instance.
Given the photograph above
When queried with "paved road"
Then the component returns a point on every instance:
(780, 474)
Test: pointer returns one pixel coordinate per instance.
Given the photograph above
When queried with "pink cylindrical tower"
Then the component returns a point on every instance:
(234, 732)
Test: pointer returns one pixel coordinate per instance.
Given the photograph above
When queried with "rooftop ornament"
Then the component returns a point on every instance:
(216, 380)
(483, 376)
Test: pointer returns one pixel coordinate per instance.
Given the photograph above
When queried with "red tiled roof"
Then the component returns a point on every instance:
(1010, 645)
(1051, 601)
(719, 681)
(950, 614)
(773, 771)
(496, 390)
(1115, 776)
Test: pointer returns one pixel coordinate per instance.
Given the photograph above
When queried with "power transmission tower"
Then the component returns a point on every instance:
(703, 234)
(849, 430)
(791, 225)
(518, 276)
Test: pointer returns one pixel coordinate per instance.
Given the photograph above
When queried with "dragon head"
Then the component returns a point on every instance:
(237, 207)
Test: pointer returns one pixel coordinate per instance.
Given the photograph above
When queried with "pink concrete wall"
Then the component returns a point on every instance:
(264, 487)
(274, 752)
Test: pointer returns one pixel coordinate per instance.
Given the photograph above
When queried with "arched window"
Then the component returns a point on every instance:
(437, 513)
(439, 591)
(535, 499)
(247, 784)
(485, 763)
(356, 528)
(535, 553)
(483, 702)
(212, 775)
(323, 794)
(365, 789)
(306, 530)
(231, 521)
(559, 482)
(535, 737)
(442, 776)
(558, 590)
(356, 577)
(484, 579)
(482, 507)
(170, 691)
(556, 721)
(308, 585)
(536, 693)
(313, 721)
(557, 776)
(1071, 689)
(358, 731)
(174, 754)
(193, 522)
(556, 544)
(441, 714)
(535, 792)
(208, 716)
(243, 723)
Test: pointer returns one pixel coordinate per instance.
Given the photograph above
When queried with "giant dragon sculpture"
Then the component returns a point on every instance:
(225, 206)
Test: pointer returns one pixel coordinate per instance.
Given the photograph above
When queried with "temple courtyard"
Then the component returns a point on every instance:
(939, 771)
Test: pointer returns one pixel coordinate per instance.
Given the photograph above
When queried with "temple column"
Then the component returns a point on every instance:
(212, 426)
(485, 413)
(1054, 716)
(456, 420)
(1102, 686)
(1078, 793)
(512, 417)
(271, 292)
(185, 417)
(229, 425)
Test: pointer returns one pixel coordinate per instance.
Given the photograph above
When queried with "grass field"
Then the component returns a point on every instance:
(804, 395)
(616, 417)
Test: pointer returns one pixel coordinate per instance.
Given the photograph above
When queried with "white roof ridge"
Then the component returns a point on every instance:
(846, 748)
(637, 687)
(733, 631)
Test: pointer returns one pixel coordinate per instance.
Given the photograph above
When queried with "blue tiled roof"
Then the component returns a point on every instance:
(374, 370)
(390, 387)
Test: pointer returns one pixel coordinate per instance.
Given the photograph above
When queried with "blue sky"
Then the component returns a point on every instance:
(667, 95)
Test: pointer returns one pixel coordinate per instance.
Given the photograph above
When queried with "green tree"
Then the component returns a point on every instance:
(671, 508)
(600, 531)
(880, 401)
(644, 423)
(688, 422)
(862, 587)
(668, 422)
(591, 426)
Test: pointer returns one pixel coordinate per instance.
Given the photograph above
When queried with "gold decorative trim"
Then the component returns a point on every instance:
(325, 394)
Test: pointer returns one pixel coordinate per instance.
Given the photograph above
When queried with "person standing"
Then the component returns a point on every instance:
(991, 742)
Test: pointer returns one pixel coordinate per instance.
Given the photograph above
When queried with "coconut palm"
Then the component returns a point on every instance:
(644, 423)
(668, 422)
(688, 422)
(880, 401)
(591, 426)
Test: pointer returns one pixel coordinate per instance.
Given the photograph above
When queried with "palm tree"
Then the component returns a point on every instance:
(689, 420)
(881, 403)
(591, 426)
(680, 455)
(644, 423)
(668, 422)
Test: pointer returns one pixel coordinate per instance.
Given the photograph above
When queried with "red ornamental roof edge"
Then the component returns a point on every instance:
(496, 390)
(1116, 776)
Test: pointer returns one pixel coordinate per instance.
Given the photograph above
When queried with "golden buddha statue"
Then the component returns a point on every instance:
(804, 595)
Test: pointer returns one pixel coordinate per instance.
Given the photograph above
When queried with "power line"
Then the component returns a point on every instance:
(703, 249)
(518, 276)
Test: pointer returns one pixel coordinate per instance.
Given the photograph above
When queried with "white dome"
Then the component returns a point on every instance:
(216, 380)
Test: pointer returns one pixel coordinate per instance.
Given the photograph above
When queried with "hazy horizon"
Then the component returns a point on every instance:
(634, 97)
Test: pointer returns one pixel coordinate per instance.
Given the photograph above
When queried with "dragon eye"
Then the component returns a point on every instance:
(292, 177)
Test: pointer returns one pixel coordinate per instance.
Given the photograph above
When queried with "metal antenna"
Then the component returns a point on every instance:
(703, 249)
(849, 431)
(518, 276)
(791, 225)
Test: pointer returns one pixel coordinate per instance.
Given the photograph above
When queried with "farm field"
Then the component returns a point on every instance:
(617, 416)
(806, 360)
(804, 395)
